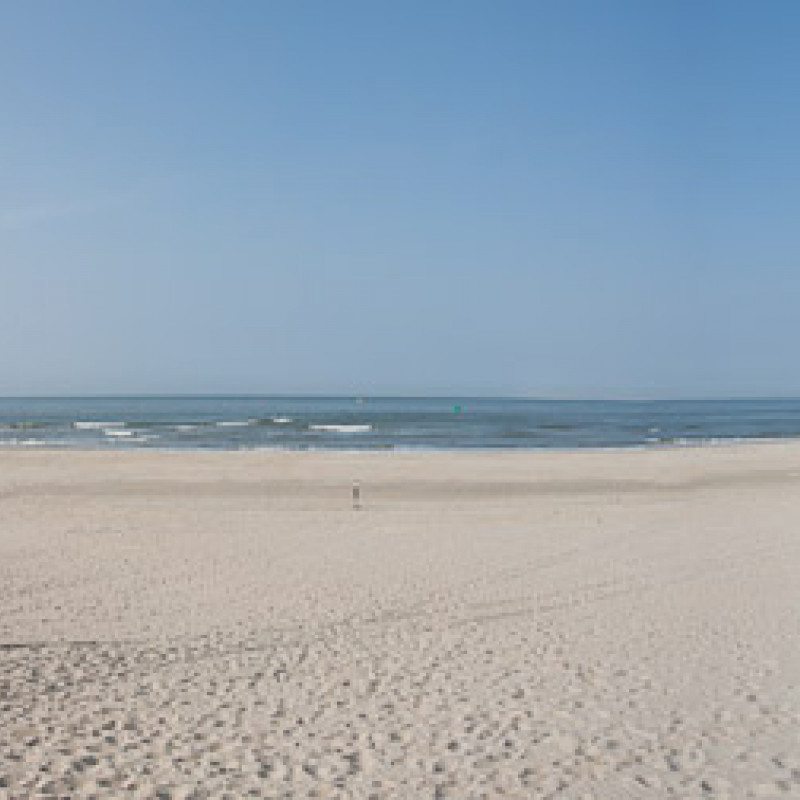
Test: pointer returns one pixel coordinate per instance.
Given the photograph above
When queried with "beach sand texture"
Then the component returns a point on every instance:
(572, 625)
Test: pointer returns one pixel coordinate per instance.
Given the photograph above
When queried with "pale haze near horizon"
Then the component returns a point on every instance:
(506, 198)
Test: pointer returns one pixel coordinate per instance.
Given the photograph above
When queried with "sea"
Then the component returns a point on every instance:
(386, 423)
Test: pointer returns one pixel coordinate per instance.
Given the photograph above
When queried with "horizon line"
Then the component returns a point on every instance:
(403, 396)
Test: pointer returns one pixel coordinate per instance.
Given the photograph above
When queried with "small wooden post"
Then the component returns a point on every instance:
(356, 495)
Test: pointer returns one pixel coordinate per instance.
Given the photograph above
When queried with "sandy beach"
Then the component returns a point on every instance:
(576, 625)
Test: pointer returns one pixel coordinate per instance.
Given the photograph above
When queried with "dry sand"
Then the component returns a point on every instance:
(598, 625)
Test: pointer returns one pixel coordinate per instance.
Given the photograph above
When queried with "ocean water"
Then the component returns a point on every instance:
(233, 423)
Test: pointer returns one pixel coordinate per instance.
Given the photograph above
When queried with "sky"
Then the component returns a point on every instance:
(528, 198)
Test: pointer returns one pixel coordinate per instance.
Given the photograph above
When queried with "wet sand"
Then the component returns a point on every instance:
(571, 625)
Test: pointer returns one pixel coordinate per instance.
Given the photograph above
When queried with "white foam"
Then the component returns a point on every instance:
(234, 423)
(96, 426)
(186, 427)
(281, 420)
(119, 433)
(341, 428)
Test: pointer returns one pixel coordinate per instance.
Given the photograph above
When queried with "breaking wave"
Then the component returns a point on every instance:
(341, 428)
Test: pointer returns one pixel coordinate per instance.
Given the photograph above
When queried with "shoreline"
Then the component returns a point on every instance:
(687, 444)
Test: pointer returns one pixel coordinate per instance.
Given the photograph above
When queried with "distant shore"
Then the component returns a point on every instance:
(600, 623)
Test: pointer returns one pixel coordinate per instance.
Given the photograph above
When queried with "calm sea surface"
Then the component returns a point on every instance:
(232, 423)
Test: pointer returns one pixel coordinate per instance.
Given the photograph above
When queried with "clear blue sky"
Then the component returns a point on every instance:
(544, 198)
